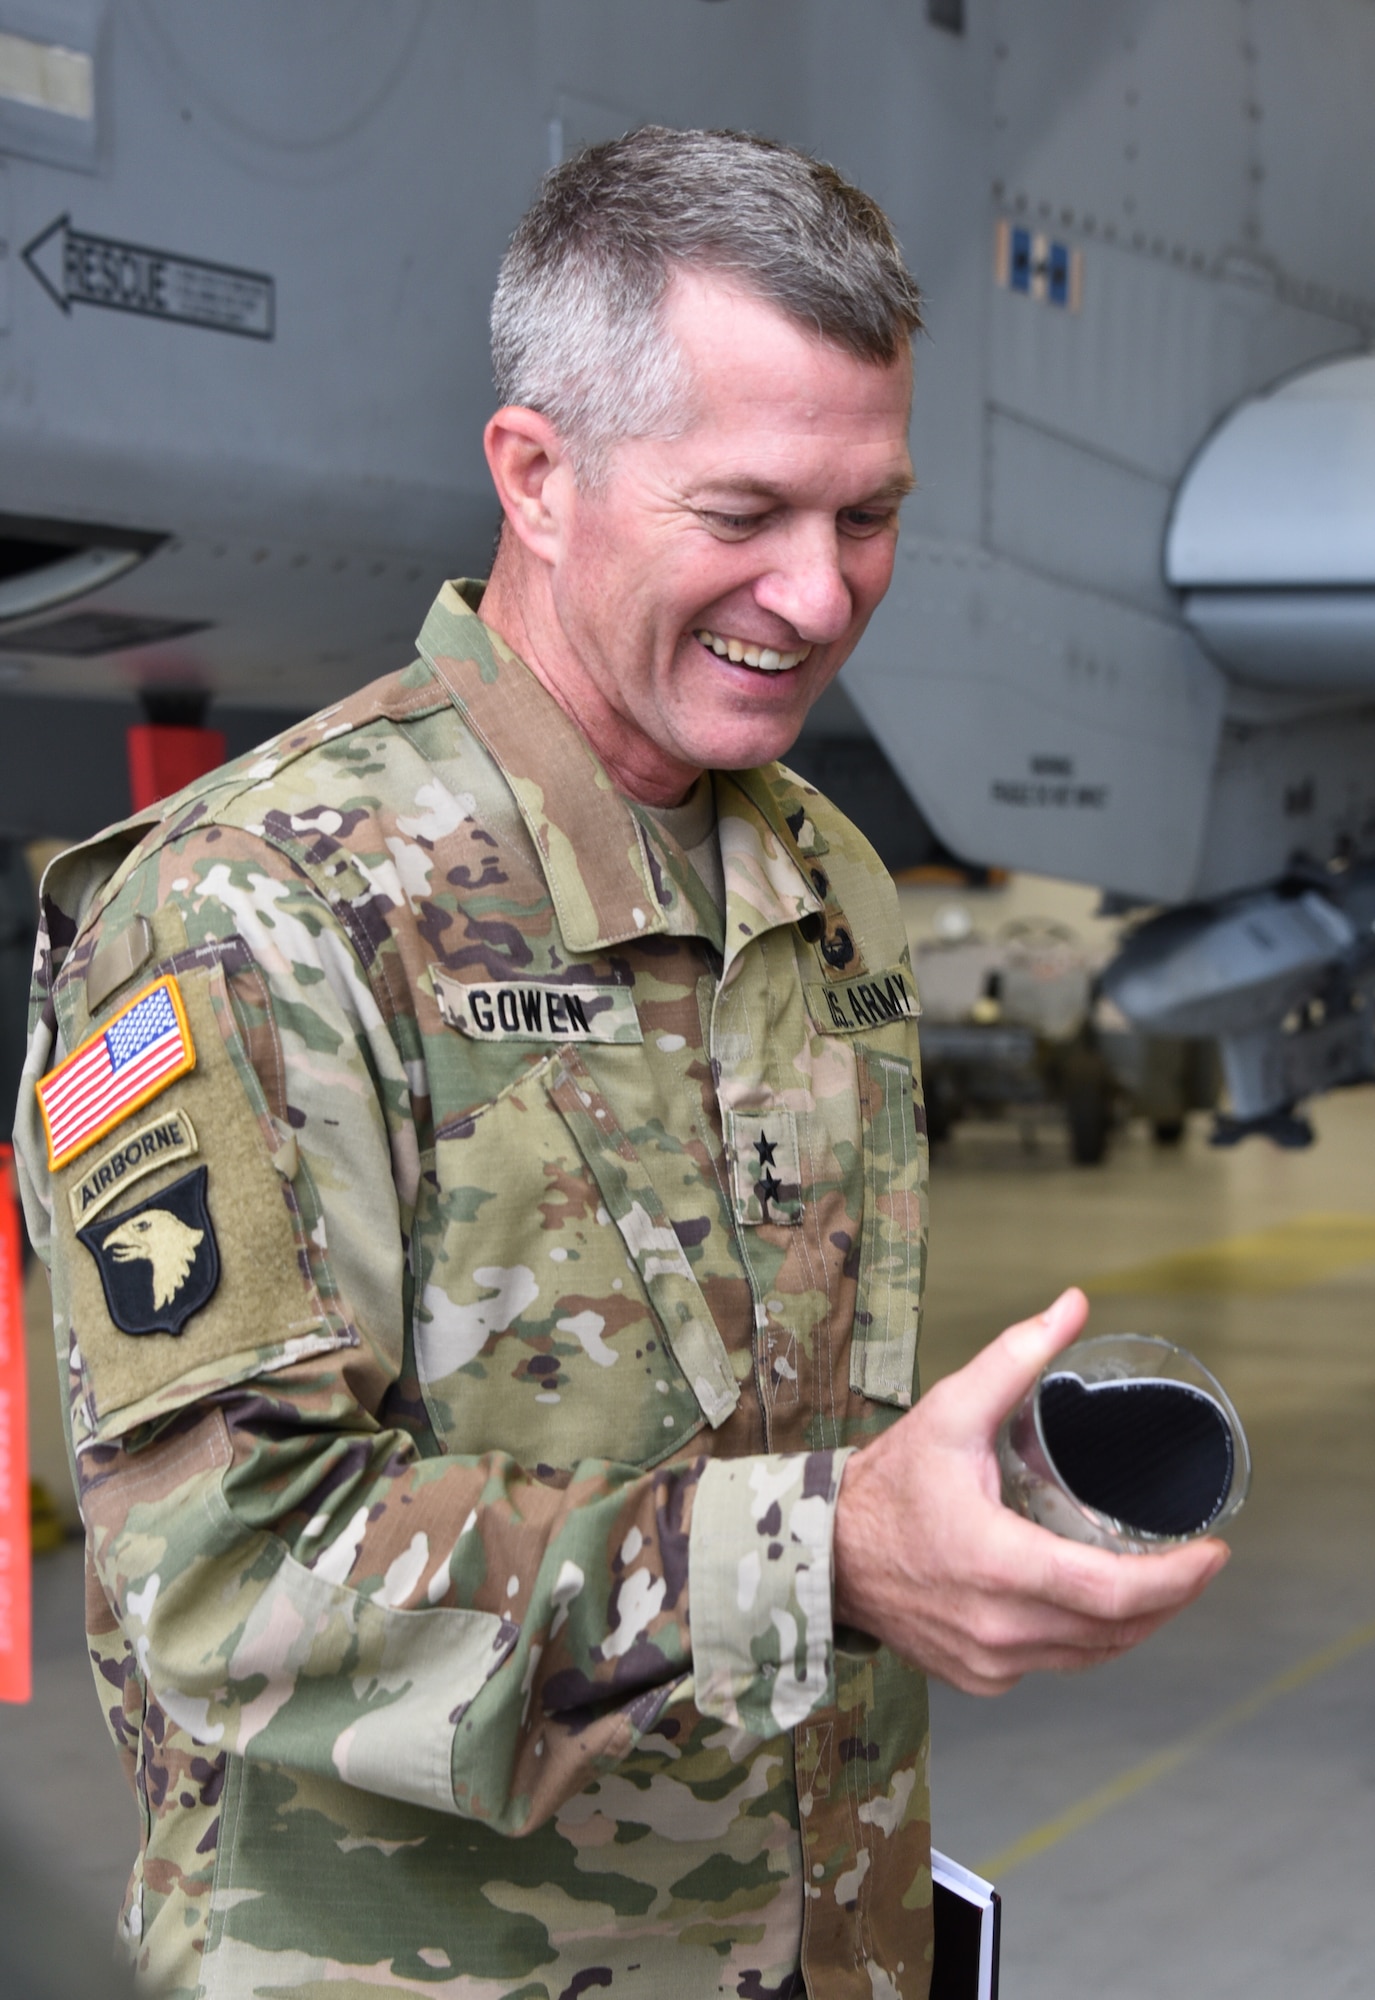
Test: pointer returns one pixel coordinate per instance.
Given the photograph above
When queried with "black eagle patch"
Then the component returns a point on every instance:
(159, 1262)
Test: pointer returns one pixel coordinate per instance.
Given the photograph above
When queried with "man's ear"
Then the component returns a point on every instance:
(533, 475)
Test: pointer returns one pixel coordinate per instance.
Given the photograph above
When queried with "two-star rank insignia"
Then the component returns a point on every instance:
(765, 1170)
(768, 1187)
(159, 1262)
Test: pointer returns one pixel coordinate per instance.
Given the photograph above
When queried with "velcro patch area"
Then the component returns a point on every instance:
(211, 1301)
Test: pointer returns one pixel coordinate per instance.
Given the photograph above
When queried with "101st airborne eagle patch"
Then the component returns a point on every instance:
(116, 1071)
(159, 1262)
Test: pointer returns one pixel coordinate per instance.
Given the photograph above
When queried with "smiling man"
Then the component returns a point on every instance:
(688, 606)
(478, 1144)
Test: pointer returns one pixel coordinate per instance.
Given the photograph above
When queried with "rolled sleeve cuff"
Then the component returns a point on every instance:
(760, 1589)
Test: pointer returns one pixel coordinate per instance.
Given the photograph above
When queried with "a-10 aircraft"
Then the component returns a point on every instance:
(245, 260)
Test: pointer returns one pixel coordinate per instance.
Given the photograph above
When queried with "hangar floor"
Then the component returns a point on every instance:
(1198, 1819)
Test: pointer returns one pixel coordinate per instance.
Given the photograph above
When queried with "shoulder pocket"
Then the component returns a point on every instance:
(892, 1259)
(183, 1262)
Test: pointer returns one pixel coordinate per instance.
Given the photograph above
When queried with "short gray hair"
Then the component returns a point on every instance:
(577, 322)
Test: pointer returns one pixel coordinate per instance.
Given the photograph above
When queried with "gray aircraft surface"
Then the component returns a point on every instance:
(246, 254)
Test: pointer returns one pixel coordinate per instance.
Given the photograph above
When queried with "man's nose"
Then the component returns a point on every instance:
(807, 584)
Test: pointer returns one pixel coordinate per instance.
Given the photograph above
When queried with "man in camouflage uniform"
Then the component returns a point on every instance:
(482, 1167)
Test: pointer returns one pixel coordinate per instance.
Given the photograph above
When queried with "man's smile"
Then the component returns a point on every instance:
(740, 652)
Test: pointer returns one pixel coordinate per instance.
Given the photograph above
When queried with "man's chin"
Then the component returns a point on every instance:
(747, 758)
(740, 746)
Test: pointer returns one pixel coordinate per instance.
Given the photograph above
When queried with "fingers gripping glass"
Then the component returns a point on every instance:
(1128, 1443)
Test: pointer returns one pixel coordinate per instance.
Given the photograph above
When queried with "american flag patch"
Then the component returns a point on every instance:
(146, 1047)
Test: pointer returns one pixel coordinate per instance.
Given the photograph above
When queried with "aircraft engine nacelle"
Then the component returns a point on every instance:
(1272, 539)
(1284, 981)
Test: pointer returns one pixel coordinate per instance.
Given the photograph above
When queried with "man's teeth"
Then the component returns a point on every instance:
(764, 657)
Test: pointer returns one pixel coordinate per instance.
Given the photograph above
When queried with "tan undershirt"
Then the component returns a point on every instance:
(693, 826)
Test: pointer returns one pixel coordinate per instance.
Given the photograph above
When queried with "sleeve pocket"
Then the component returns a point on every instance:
(156, 1326)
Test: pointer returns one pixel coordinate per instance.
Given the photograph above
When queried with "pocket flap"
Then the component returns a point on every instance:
(633, 1204)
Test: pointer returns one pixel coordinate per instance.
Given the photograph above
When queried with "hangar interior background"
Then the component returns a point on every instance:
(1136, 221)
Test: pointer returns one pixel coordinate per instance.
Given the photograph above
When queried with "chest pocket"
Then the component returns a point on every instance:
(892, 1256)
(557, 1317)
(634, 1205)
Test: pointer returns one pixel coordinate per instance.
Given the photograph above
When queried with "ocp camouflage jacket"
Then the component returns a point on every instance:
(464, 1343)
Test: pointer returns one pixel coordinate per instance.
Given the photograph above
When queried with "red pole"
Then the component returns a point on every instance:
(16, 1672)
(164, 756)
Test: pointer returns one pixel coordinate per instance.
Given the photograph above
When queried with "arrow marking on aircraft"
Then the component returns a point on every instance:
(78, 269)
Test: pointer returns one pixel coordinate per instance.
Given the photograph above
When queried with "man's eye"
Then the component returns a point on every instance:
(867, 520)
(732, 524)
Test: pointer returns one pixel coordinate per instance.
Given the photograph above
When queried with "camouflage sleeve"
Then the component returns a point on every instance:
(762, 1640)
(299, 1581)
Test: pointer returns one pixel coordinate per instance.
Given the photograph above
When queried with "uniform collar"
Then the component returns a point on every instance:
(767, 882)
(593, 848)
(589, 843)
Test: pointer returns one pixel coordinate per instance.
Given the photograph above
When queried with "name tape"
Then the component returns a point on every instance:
(531, 1010)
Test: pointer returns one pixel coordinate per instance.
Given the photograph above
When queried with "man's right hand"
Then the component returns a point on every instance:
(928, 1559)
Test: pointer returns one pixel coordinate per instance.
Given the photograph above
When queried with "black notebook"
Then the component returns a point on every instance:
(968, 1917)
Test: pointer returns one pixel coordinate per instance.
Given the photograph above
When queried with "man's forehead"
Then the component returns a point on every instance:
(738, 348)
(701, 299)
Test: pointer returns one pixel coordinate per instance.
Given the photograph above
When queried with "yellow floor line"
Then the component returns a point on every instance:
(1303, 1251)
(1053, 1831)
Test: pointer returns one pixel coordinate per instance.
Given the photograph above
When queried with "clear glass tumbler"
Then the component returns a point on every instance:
(1126, 1442)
